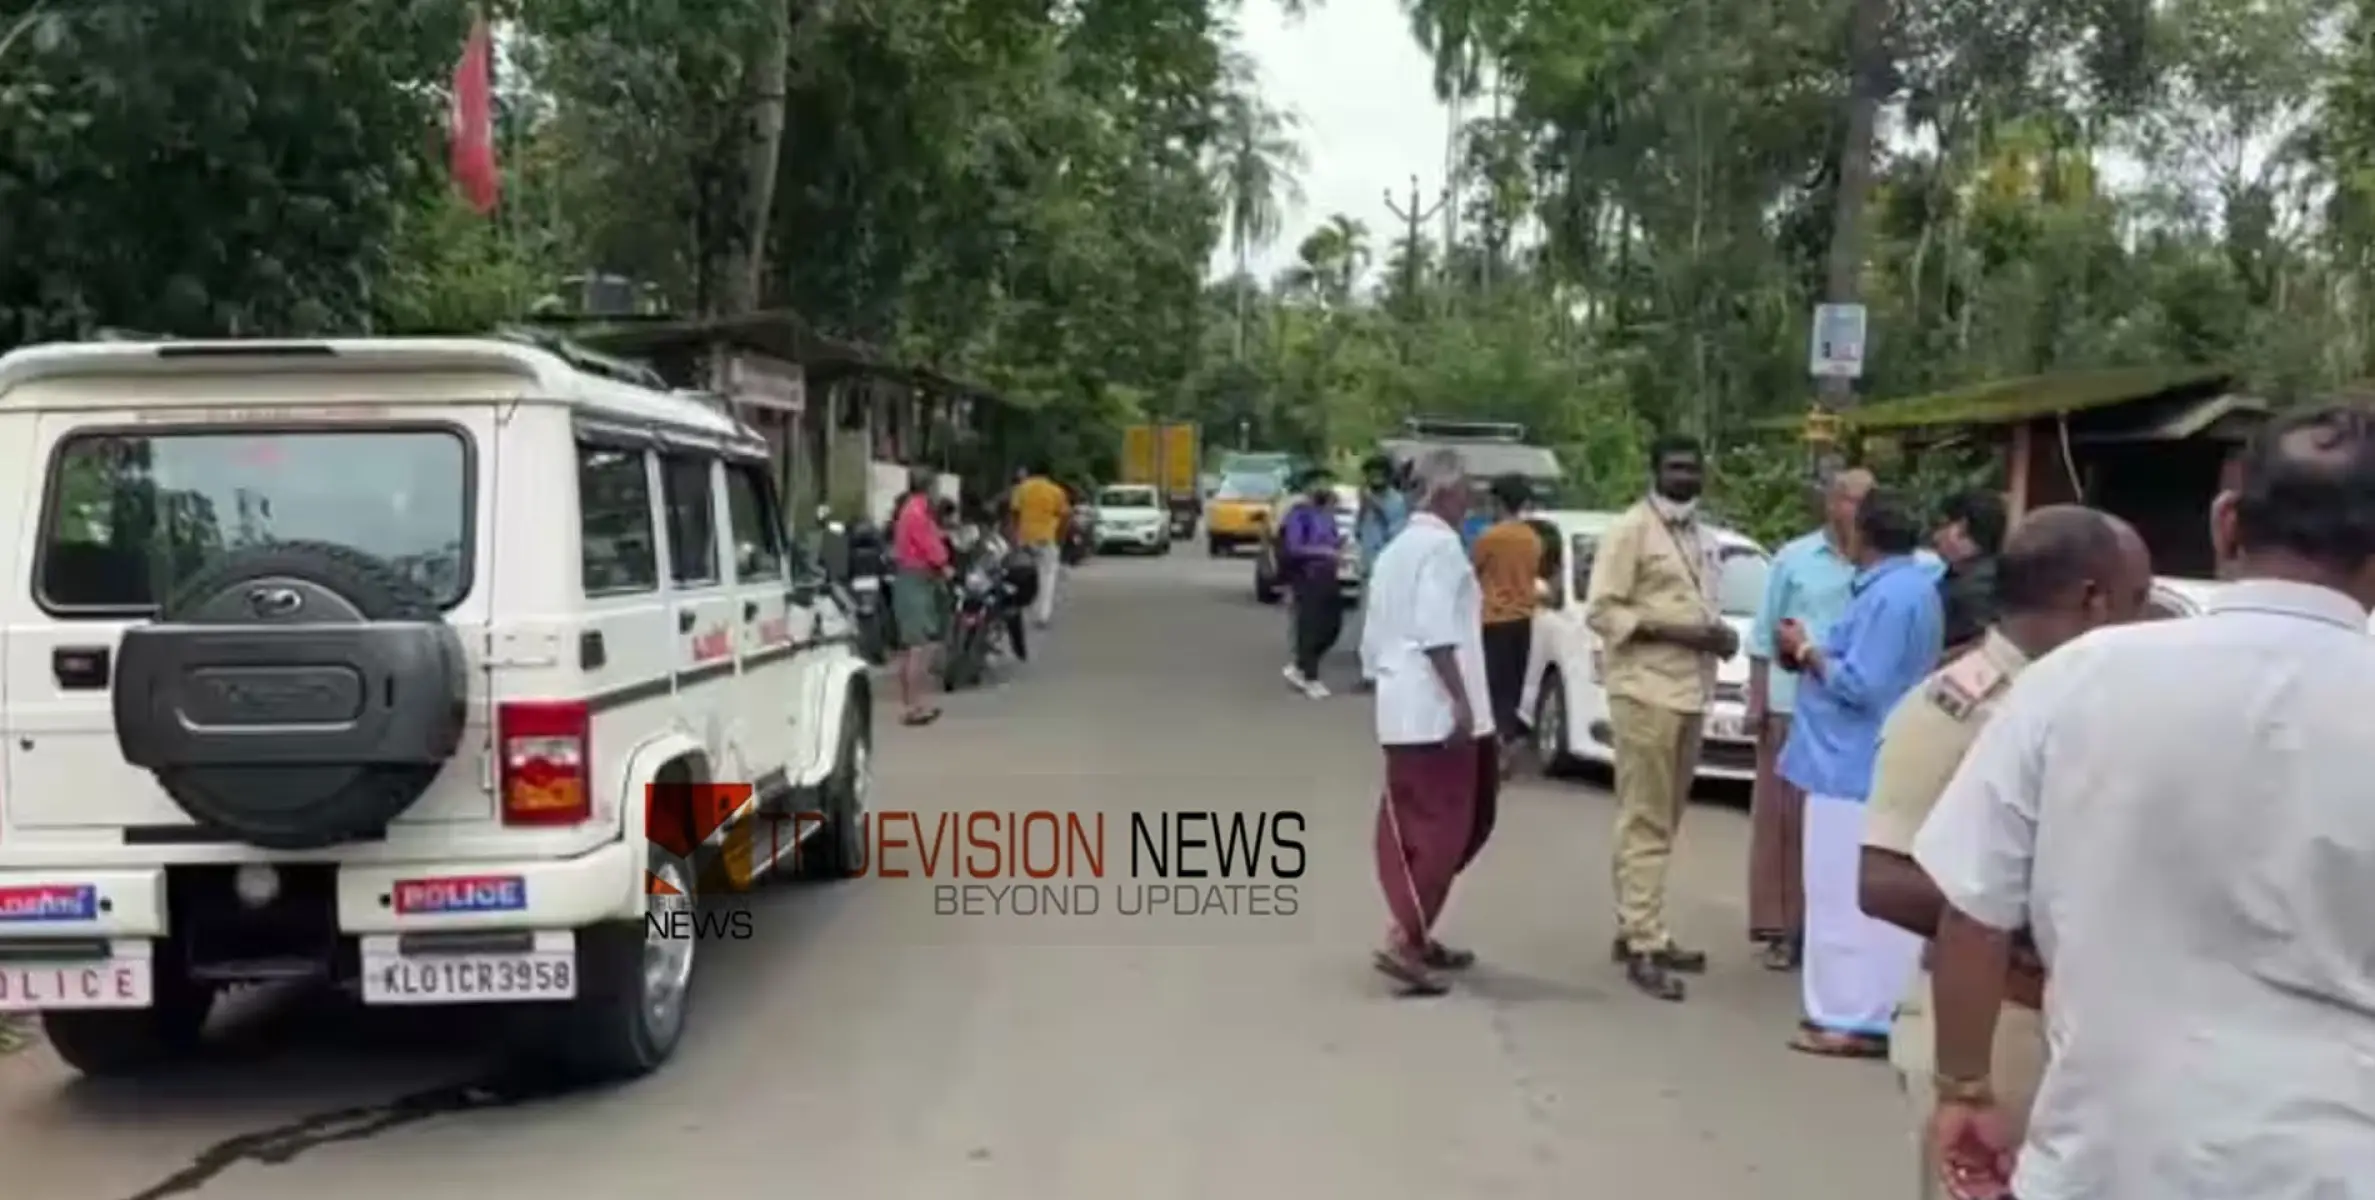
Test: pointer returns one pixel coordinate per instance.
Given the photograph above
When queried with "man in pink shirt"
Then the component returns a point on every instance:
(919, 551)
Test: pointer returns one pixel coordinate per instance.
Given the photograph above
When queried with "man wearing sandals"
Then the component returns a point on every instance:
(1883, 646)
(1811, 582)
(1424, 645)
(2063, 571)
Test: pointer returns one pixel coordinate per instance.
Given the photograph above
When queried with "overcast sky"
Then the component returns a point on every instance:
(1353, 75)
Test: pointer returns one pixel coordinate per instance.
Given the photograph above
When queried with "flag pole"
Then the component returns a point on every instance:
(498, 127)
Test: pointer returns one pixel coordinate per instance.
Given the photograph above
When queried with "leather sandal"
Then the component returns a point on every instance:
(1825, 1043)
(1411, 974)
(1440, 957)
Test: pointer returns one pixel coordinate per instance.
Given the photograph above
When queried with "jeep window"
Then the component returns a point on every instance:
(758, 532)
(133, 515)
(616, 551)
(692, 520)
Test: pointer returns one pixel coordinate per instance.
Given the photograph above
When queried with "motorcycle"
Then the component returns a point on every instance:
(1080, 536)
(994, 587)
(862, 572)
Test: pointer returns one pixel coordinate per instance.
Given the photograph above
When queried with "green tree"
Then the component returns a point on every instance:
(212, 166)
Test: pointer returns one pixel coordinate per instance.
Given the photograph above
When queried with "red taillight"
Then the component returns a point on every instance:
(546, 752)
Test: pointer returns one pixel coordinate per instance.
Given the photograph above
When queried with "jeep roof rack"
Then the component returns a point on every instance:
(617, 369)
(1481, 431)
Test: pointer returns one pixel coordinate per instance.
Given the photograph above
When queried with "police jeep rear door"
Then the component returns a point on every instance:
(138, 495)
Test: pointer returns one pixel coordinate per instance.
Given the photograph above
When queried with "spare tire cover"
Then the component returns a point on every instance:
(306, 807)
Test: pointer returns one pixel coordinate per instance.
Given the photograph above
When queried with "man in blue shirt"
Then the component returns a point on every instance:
(1886, 642)
(1810, 582)
(1385, 509)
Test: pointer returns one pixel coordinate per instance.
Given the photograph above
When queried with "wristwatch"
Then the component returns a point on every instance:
(1953, 1090)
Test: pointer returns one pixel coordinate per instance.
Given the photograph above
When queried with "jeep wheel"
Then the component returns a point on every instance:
(841, 844)
(634, 987)
(104, 1043)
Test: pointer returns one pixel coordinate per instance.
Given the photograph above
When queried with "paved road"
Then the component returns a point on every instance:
(860, 1045)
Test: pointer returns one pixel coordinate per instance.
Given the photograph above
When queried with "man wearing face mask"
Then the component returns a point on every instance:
(1652, 603)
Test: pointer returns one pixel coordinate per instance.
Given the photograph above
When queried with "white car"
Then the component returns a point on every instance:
(1566, 705)
(1268, 587)
(2172, 597)
(445, 670)
(1131, 516)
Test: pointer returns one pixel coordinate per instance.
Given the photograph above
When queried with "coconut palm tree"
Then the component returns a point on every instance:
(1257, 167)
(1330, 260)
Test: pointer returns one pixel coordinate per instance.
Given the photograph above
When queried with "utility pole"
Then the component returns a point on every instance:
(1413, 217)
(1868, 71)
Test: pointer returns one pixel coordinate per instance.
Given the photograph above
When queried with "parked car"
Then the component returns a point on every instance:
(1131, 516)
(1266, 582)
(1261, 462)
(356, 713)
(1568, 707)
(1239, 511)
(2173, 597)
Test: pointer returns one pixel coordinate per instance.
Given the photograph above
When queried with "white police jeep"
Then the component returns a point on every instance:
(359, 661)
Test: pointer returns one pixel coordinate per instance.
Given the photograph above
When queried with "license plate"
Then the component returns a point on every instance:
(470, 978)
(118, 982)
(1726, 728)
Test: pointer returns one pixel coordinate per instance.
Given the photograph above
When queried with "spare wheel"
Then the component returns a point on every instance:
(293, 695)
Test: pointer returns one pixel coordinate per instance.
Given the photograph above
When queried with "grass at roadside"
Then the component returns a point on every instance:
(16, 1033)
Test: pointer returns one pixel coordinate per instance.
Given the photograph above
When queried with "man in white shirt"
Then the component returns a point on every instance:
(1423, 642)
(2181, 816)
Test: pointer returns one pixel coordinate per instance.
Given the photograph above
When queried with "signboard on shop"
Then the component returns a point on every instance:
(765, 383)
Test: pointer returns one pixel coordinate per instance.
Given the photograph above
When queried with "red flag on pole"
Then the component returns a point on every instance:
(473, 119)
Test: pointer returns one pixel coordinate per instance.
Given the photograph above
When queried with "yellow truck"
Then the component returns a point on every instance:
(1165, 457)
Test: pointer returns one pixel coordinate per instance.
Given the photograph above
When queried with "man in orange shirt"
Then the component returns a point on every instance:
(1508, 560)
(1041, 507)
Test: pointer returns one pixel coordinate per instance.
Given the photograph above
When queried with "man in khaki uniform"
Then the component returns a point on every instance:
(2063, 571)
(1652, 604)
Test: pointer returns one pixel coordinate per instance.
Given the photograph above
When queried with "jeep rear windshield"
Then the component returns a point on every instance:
(133, 515)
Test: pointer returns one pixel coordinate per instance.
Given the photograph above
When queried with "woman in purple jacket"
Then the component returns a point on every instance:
(1308, 548)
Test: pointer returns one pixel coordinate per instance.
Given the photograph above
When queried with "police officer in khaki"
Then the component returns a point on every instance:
(1652, 602)
(2063, 570)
